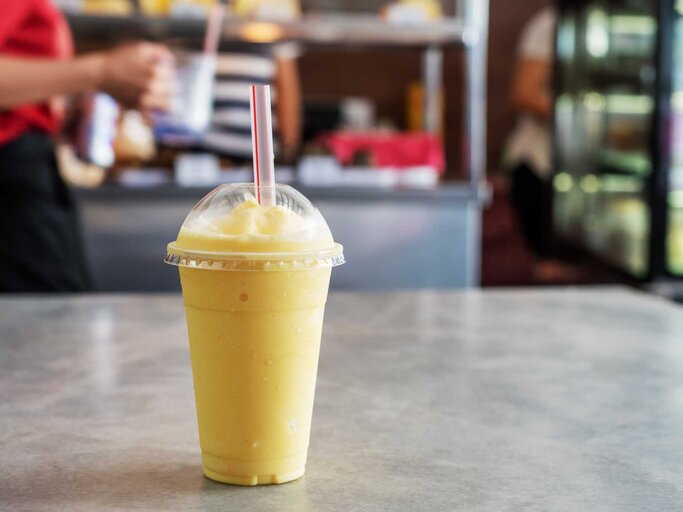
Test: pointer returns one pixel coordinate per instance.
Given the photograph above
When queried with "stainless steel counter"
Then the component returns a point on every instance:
(562, 400)
(393, 239)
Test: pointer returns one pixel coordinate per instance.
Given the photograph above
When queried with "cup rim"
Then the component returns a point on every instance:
(263, 261)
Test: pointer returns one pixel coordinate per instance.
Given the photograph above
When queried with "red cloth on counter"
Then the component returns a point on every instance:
(398, 150)
(32, 29)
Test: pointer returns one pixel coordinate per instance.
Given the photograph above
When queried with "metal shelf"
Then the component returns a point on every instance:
(332, 30)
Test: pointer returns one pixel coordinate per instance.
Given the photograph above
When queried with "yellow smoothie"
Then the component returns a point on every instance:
(255, 339)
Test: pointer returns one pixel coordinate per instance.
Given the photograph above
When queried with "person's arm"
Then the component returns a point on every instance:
(138, 75)
(530, 88)
(34, 80)
(289, 105)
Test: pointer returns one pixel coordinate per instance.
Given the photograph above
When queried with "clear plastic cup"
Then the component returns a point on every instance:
(254, 306)
(192, 103)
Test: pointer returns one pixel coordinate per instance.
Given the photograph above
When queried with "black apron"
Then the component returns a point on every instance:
(40, 245)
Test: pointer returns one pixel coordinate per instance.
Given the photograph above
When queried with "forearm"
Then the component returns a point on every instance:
(25, 81)
(531, 93)
(539, 105)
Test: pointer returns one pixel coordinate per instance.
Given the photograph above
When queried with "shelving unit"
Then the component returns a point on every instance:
(349, 29)
(618, 88)
(469, 30)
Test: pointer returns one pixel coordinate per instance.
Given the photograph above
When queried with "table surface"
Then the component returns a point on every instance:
(562, 400)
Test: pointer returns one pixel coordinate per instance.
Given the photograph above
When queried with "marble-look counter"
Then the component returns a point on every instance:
(562, 400)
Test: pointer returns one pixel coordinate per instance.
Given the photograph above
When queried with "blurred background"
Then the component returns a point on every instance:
(448, 143)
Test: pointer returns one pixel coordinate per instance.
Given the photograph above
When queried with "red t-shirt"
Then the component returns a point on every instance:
(32, 29)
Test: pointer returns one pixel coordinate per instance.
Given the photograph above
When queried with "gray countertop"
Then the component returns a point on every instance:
(562, 400)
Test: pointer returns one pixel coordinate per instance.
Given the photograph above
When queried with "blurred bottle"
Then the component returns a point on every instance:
(97, 130)
(415, 109)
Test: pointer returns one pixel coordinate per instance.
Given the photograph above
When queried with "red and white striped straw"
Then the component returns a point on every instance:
(262, 144)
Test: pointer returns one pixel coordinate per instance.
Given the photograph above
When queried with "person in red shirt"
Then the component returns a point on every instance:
(40, 248)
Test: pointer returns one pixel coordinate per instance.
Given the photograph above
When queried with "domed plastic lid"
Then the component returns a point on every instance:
(232, 229)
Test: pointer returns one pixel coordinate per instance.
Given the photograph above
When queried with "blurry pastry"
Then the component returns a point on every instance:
(134, 139)
(76, 172)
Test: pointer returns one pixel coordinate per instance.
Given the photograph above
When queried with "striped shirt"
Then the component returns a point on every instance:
(230, 131)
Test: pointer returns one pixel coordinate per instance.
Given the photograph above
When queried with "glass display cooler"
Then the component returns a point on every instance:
(618, 133)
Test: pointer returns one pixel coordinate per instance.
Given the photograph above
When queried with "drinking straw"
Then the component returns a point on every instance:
(262, 145)
(214, 24)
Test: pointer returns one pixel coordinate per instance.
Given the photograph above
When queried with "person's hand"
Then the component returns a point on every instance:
(139, 75)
